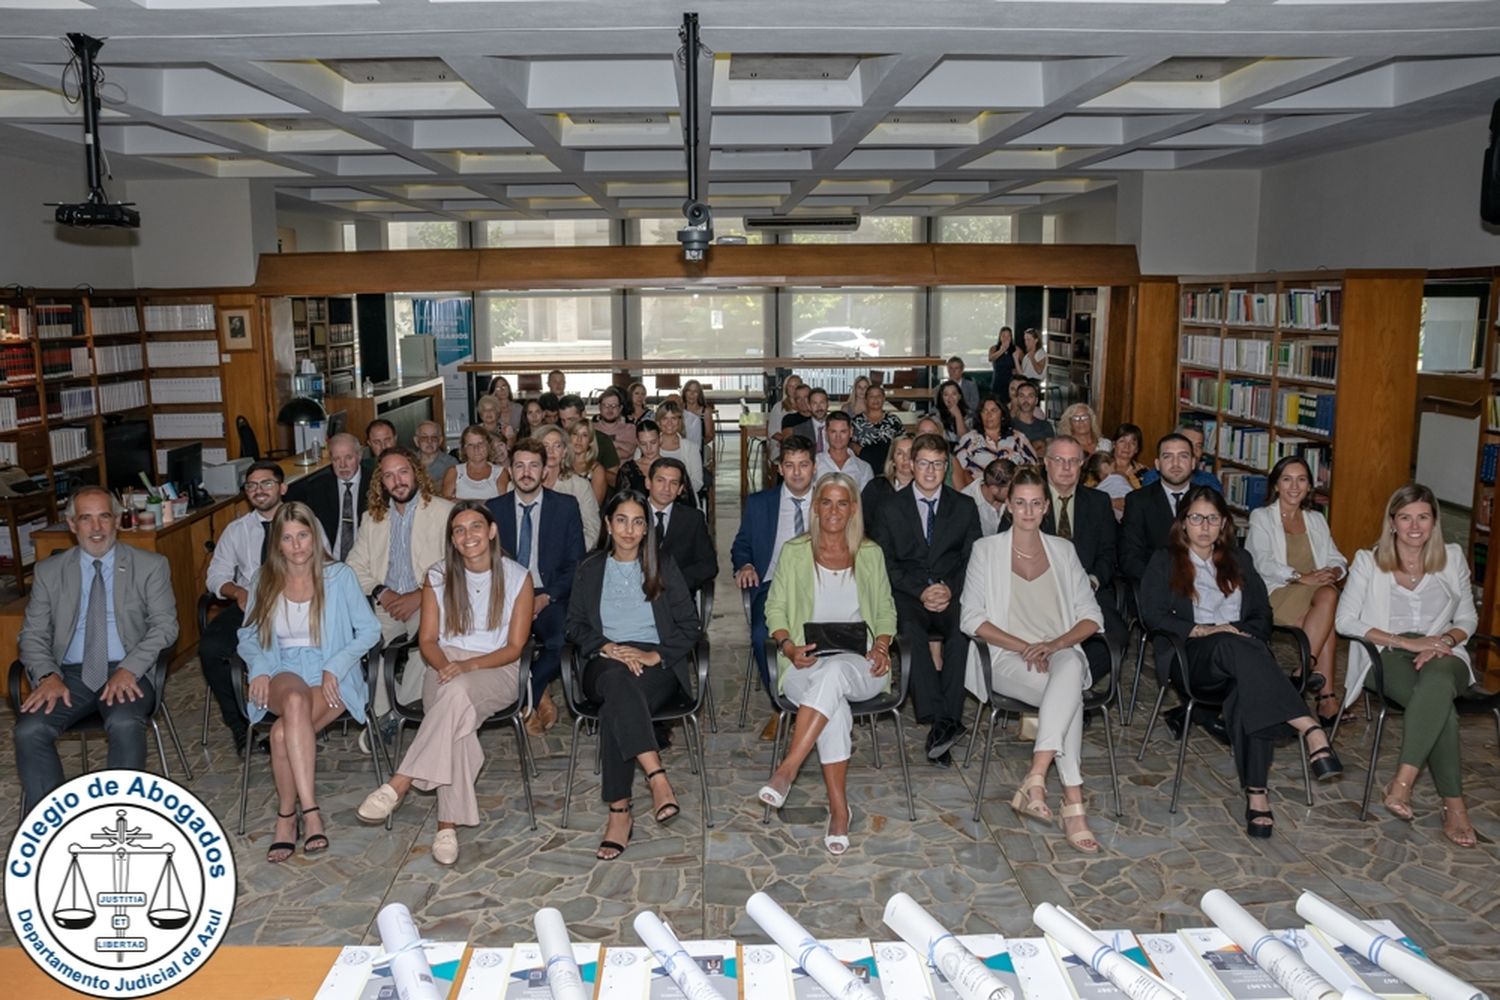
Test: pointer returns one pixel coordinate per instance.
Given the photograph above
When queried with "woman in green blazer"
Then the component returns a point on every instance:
(831, 574)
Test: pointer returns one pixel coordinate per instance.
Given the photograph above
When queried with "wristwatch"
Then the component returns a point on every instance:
(1296, 575)
(375, 594)
(781, 646)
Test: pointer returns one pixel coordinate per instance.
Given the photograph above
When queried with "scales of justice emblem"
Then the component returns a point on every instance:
(125, 854)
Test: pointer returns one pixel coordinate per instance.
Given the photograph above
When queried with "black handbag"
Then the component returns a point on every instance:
(837, 637)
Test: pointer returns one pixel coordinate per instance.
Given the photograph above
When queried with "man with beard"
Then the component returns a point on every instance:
(1149, 510)
(403, 534)
(238, 553)
(543, 531)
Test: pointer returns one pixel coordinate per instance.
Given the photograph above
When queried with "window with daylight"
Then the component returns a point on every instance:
(423, 235)
(546, 233)
(967, 322)
(973, 229)
(872, 229)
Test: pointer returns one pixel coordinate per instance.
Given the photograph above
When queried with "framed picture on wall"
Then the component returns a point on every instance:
(236, 329)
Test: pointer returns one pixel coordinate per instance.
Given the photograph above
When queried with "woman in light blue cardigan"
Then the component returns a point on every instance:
(306, 626)
(831, 574)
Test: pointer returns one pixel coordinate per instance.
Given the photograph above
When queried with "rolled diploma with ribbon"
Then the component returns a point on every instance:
(681, 966)
(403, 949)
(807, 951)
(563, 978)
(960, 967)
(1279, 960)
(1388, 953)
(1132, 980)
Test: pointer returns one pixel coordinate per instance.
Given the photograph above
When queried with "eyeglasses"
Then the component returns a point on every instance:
(261, 484)
(1212, 520)
(933, 464)
(1080, 418)
(1066, 463)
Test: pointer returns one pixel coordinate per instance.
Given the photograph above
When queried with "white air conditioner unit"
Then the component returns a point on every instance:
(801, 223)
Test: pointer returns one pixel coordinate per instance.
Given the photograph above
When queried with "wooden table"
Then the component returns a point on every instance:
(237, 972)
(183, 542)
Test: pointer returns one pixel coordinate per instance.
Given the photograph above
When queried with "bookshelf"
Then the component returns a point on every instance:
(1070, 320)
(1261, 360)
(324, 332)
(1482, 522)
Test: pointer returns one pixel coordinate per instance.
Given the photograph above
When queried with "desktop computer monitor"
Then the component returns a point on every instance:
(185, 467)
(127, 454)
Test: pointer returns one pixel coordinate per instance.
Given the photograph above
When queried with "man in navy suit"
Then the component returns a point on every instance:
(770, 518)
(542, 531)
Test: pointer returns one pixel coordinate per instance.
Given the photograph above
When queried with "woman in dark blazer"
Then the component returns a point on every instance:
(633, 622)
(1204, 589)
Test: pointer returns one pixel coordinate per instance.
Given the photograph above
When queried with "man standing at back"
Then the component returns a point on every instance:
(543, 531)
(98, 617)
(405, 532)
(771, 517)
(926, 531)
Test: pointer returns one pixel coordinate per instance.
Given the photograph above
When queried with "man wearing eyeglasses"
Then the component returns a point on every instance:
(1084, 516)
(429, 442)
(926, 530)
(238, 553)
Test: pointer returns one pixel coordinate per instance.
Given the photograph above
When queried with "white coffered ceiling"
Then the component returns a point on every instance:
(504, 108)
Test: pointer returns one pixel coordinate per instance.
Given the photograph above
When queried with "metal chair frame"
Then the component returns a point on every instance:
(752, 670)
(206, 603)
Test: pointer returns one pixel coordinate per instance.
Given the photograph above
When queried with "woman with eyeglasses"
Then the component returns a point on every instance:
(476, 478)
(633, 623)
(1204, 589)
(1412, 597)
(476, 619)
(1081, 423)
(1027, 597)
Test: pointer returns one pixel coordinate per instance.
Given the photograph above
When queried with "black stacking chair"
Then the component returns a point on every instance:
(752, 675)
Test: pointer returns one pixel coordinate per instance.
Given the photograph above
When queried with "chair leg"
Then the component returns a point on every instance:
(1187, 730)
(984, 760)
(875, 741)
(598, 752)
(1151, 723)
(521, 755)
(172, 731)
(1364, 804)
(245, 774)
(572, 770)
(781, 723)
(208, 698)
(83, 750)
(1306, 767)
(713, 713)
(161, 750)
(752, 675)
(911, 805)
(1135, 685)
(1114, 773)
(694, 735)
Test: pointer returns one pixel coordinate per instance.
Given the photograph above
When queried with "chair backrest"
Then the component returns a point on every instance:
(249, 446)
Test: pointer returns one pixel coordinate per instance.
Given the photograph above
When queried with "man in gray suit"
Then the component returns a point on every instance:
(98, 617)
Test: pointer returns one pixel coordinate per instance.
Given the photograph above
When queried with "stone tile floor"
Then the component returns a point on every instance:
(974, 876)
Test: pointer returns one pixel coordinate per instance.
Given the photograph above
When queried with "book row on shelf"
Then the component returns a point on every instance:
(20, 409)
(1305, 411)
(340, 334)
(69, 444)
(175, 318)
(24, 531)
(71, 404)
(117, 396)
(1310, 357)
(1298, 308)
(1488, 460)
(205, 425)
(1492, 413)
(187, 390)
(182, 353)
(10, 453)
(108, 321)
(1257, 447)
(1307, 358)
(43, 321)
(18, 364)
(65, 362)
(111, 359)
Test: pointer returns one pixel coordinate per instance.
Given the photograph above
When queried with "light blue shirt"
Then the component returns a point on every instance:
(1212, 607)
(624, 612)
(399, 575)
(74, 653)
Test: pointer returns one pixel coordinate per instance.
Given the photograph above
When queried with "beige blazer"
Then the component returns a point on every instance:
(986, 596)
(371, 555)
(1366, 604)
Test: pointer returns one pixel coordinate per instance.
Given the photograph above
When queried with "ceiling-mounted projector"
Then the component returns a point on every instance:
(97, 211)
(801, 223)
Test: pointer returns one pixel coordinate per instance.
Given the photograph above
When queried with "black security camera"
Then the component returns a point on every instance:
(696, 236)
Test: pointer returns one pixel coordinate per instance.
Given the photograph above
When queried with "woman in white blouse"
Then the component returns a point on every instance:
(1295, 556)
(1027, 596)
(476, 618)
(1410, 595)
(475, 478)
(1203, 588)
(674, 443)
(1033, 355)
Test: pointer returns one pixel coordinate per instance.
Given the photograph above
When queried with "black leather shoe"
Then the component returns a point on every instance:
(944, 760)
(1215, 726)
(942, 737)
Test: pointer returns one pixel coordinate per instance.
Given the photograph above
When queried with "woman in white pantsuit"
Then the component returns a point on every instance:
(1027, 596)
(476, 618)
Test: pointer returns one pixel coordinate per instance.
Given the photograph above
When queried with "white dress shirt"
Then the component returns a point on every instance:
(989, 517)
(237, 552)
(339, 506)
(854, 467)
(1212, 607)
(662, 515)
(786, 525)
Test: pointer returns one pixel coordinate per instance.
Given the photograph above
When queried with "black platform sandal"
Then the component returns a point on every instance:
(1327, 721)
(281, 850)
(318, 842)
(610, 845)
(1254, 827)
(1324, 763)
(668, 810)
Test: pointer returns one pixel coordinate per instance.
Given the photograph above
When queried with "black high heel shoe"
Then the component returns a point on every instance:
(317, 842)
(282, 850)
(1327, 721)
(610, 845)
(1254, 828)
(668, 810)
(1324, 763)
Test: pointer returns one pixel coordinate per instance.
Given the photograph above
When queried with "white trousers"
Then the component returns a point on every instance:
(828, 687)
(409, 689)
(1058, 697)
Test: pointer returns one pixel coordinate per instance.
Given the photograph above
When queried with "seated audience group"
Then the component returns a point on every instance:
(984, 536)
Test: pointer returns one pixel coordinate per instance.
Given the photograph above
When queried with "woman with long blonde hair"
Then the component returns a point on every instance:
(831, 574)
(586, 457)
(476, 618)
(1081, 423)
(306, 626)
